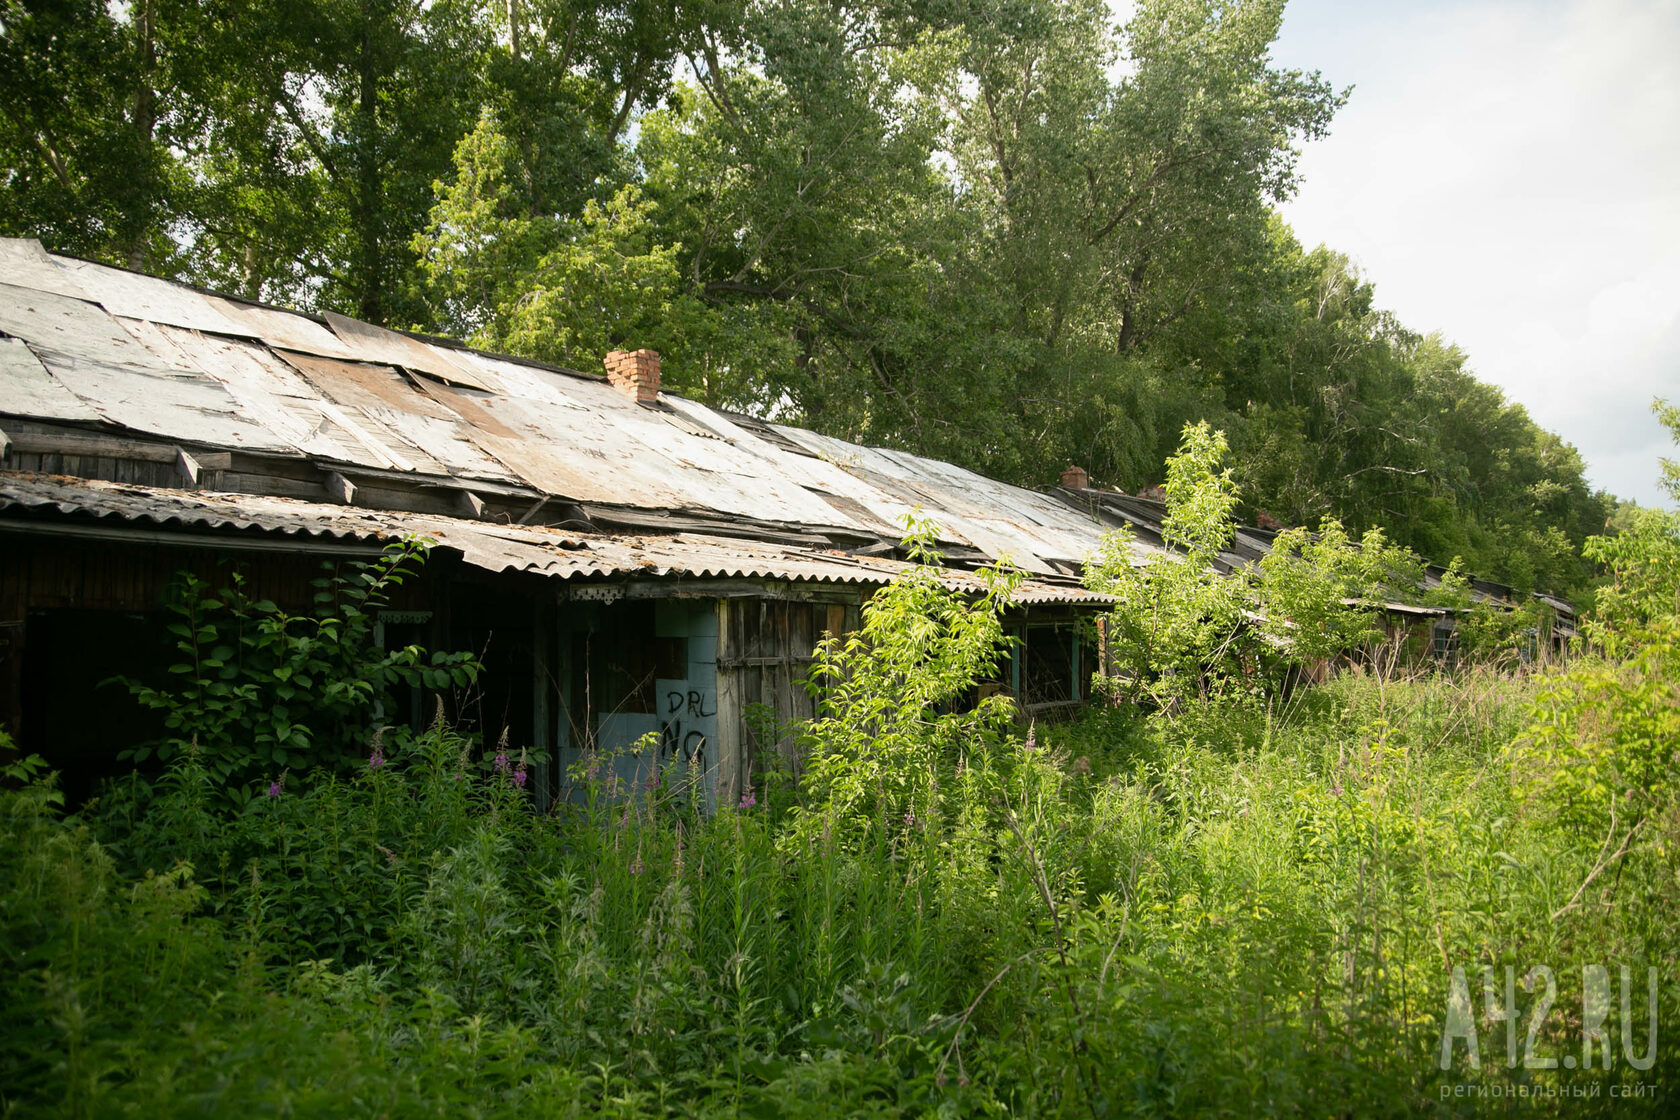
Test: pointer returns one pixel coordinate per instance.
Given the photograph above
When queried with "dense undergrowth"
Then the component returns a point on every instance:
(1232, 912)
(1380, 896)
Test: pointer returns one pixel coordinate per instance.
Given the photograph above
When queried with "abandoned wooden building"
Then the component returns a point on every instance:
(623, 559)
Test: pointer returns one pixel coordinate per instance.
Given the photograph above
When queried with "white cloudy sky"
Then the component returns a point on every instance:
(1508, 173)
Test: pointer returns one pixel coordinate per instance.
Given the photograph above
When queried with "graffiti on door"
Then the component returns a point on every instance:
(685, 716)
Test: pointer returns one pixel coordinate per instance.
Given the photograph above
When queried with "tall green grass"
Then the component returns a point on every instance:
(1232, 912)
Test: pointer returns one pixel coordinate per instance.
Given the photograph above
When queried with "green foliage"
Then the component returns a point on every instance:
(1641, 563)
(885, 728)
(1176, 615)
(1244, 910)
(1166, 924)
(1189, 622)
(260, 691)
(1603, 750)
(1669, 415)
(1320, 593)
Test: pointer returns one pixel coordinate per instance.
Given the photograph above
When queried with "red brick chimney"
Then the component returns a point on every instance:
(1075, 478)
(635, 373)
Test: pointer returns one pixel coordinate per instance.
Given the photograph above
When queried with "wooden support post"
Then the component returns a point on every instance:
(471, 505)
(1074, 691)
(5, 444)
(341, 489)
(186, 466)
(1102, 647)
(11, 675)
(542, 689)
(1017, 652)
(731, 764)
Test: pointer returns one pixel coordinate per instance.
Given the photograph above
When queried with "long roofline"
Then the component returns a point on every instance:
(276, 402)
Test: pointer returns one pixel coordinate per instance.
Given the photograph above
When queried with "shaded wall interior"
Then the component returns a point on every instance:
(75, 614)
(638, 703)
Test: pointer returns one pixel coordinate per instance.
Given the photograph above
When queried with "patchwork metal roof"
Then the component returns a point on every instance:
(98, 346)
(85, 348)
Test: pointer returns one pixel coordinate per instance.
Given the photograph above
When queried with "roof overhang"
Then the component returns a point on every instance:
(86, 508)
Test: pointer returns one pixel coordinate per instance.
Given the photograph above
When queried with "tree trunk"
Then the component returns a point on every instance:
(143, 122)
(369, 271)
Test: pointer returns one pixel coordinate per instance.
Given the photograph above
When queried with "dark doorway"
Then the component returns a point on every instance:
(75, 716)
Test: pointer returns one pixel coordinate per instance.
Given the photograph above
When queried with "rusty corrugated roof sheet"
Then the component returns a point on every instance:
(497, 548)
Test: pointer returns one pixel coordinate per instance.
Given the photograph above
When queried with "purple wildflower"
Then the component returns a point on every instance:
(277, 785)
(377, 758)
(501, 762)
(747, 799)
(519, 777)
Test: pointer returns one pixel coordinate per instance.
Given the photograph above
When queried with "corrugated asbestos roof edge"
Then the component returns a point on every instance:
(492, 547)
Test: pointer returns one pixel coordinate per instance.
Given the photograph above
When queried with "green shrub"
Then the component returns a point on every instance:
(263, 691)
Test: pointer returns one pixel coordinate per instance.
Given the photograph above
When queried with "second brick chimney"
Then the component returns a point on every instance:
(1075, 478)
(635, 373)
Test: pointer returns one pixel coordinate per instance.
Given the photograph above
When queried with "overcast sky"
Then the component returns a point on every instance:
(1507, 172)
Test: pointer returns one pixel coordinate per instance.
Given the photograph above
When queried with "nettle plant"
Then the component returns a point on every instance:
(259, 691)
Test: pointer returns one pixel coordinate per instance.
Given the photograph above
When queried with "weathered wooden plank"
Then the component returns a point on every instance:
(341, 489)
(110, 446)
(245, 482)
(729, 738)
(114, 448)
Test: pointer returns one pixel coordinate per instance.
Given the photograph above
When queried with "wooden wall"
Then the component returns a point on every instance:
(764, 658)
(107, 597)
